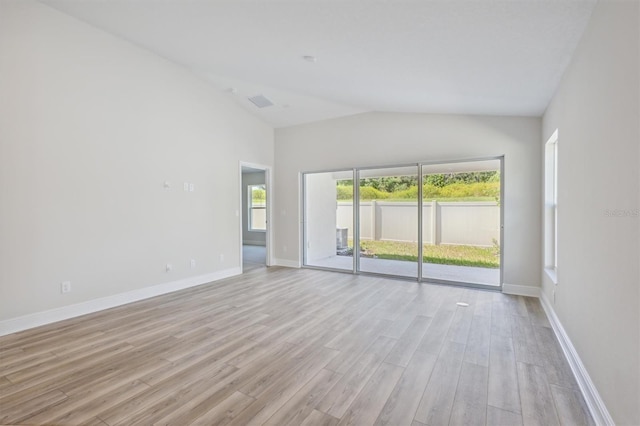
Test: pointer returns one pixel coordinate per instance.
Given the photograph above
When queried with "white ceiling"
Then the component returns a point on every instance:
(446, 56)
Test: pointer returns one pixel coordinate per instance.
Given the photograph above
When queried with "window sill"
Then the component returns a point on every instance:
(552, 274)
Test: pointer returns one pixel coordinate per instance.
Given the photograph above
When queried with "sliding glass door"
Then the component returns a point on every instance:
(328, 220)
(462, 222)
(388, 221)
(438, 222)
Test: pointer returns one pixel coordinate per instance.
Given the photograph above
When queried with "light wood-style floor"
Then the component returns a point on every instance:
(284, 346)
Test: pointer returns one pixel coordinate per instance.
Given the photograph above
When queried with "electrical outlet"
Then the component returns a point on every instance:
(186, 186)
(193, 263)
(221, 257)
(192, 187)
(169, 267)
(65, 287)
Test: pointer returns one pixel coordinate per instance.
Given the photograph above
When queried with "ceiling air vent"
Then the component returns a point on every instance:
(260, 101)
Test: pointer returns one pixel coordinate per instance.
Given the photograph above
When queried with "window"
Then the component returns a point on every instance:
(257, 207)
(551, 206)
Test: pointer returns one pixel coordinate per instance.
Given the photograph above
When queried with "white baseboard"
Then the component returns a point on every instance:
(286, 262)
(253, 243)
(591, 396)
(25, 322)
(521, 290)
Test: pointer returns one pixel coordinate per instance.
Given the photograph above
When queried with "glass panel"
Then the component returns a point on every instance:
(461, 222)
(257, 208)
(388, 208)
(328, 216)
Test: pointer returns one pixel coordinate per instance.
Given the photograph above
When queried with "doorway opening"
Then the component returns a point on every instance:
(438, 222)
(255, 212)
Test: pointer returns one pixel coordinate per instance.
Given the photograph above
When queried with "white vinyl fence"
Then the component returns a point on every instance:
(463, 223)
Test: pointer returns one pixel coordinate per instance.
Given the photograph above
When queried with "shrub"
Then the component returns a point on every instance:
(370, 193)
(406, 194)
(430, 191)
(344, 192)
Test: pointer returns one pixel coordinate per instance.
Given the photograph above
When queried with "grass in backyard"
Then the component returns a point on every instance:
(439, 199)
(484, 257)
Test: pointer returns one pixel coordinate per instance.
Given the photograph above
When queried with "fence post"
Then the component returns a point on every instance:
(374, 235)
(434, 223)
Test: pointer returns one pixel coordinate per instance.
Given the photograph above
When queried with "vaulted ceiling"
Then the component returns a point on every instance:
(444, 56)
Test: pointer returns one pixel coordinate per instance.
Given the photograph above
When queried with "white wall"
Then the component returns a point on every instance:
(395, 138)
(597, 116)
(256, 238)
(321, 217)
(90, 128)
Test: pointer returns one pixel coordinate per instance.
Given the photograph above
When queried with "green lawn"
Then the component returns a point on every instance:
(439, 199)
(484, 257)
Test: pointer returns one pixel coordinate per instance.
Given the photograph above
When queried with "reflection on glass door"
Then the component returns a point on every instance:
(328, 220)
(461, 222)
(388, 221)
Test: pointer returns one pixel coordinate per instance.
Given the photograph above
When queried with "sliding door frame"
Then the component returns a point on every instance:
(356, 221)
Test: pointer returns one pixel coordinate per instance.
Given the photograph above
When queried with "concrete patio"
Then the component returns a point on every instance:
(465, 274)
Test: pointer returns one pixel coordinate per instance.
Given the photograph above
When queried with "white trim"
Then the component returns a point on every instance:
(552, 274)
(521, 290)
(591, 396)
(287, 263)
(25, 322)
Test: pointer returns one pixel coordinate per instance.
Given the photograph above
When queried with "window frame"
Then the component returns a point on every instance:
(551, 207)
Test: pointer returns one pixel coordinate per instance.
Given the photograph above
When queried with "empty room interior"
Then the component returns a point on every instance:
(319, 213)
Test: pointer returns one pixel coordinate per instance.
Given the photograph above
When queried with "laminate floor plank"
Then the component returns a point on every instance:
(483, 304)
(280, 346)
(284, 367)
(500, 318)
(536, 313)
(408, 343)
(516, 305)
(525, 344)
(435, 336)
(556, 365)
(479, 341)
(303, 403)
(4, 382)
(358, 342)
(15, 413)
(281, 390)
(537, 403)
(83, 409)
(404, 320)
(503, 375)
(342, 394)
(572, 410)
(79, 401)
(318, 418)
(437, 400)
(470, 404)
(369, 403)
(403, 402)
(223, 413)
(499, 417)
(164, 399)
